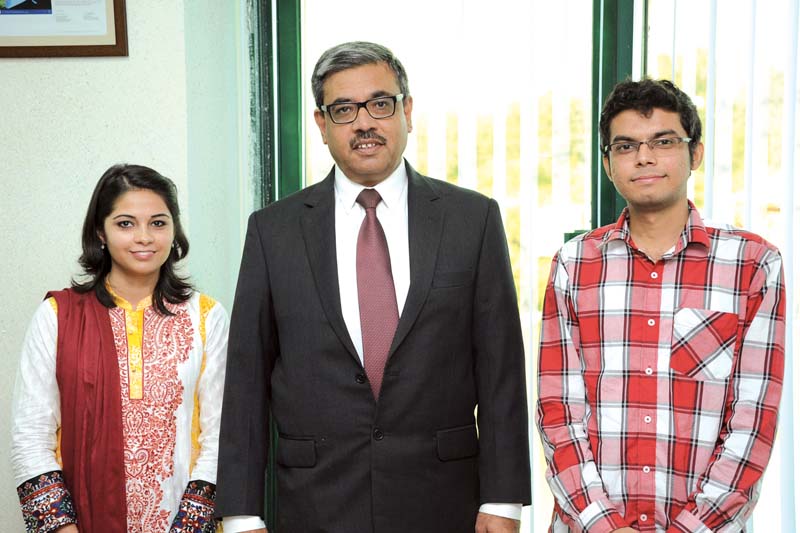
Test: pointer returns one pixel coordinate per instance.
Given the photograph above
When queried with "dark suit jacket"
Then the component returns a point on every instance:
(411, 461)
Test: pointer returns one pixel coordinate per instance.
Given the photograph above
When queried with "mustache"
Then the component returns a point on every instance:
(366, 136)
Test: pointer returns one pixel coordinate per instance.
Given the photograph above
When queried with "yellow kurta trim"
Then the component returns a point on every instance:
(54, 305)
(206, 304)
(134, 329)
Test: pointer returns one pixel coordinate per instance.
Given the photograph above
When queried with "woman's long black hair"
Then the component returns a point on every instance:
(95, 259)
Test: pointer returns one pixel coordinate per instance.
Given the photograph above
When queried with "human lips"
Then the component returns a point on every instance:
(368, 143)
(143, 255)
(648, 178)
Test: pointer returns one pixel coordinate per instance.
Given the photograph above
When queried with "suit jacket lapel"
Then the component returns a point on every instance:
(319, 233)
(425, 222)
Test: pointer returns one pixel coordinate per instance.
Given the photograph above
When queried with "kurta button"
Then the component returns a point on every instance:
(651, 322)
(654, 275)
(361, 378)
(377, 434)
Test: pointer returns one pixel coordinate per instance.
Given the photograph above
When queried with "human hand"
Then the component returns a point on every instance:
(489, 523)
(624, 530)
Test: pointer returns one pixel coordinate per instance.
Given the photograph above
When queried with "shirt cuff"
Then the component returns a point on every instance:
(196, 510)
(506, 510)
(46, 503)
(237, 524)
(686, 522)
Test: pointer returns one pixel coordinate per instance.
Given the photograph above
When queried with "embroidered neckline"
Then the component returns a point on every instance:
(125, 304)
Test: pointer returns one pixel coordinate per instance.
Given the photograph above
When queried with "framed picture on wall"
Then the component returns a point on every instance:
(62, 28)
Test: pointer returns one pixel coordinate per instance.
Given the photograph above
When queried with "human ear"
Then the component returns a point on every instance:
(319, 118)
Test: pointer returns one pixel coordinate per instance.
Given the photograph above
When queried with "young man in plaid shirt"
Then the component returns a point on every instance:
(662, 348)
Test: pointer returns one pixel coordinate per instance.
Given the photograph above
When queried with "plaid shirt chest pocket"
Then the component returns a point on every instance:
(703, 343)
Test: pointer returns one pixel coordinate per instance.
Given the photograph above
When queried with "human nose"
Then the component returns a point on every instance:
(645, 154)
(363, 120)
(143, 234)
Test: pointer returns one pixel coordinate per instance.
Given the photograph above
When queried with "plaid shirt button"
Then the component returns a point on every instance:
(647, 419)
(648, 371)
(643, 518)
(654, 275)
(651, 322)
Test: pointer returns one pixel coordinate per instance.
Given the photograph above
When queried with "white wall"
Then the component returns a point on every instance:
(173, 104)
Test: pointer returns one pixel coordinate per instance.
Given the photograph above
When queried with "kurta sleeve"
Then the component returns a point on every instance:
(36, 417)
(209, 393)
(196, 510)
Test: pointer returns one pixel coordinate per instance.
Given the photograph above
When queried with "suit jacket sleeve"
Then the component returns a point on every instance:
(500, 363)
(252, 349)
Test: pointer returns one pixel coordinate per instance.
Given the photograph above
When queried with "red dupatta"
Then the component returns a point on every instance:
(87, 372)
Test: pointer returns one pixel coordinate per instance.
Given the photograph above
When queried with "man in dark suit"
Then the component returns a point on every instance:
(374, 312)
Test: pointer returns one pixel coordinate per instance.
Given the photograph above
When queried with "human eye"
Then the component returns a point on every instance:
(341, 110)
(125, 224)
(622, 148)
(159, 223)
(665, 142)
(380, 103)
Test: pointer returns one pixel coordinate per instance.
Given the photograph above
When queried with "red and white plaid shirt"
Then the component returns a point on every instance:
(659, 383)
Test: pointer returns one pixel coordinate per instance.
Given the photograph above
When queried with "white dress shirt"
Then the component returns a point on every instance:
(392, 213)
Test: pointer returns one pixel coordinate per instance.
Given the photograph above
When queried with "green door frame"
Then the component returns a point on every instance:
(290, 176)
(282, 168)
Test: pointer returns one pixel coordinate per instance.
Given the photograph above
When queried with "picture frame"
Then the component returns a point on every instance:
(50, 28)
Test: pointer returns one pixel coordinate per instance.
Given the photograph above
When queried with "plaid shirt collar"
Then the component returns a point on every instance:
(694, 232)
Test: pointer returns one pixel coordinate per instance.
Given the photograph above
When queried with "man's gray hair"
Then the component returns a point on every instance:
(355, 54)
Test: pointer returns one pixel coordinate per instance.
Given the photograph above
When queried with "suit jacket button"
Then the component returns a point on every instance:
(361, 378)
(377, 434)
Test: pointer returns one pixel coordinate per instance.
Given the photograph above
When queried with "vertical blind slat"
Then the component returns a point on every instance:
(786, 423)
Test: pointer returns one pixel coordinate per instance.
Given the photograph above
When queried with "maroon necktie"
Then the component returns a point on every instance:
(377, 303)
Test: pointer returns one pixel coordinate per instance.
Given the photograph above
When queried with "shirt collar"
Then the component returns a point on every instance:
(694, 232)
(391, 189)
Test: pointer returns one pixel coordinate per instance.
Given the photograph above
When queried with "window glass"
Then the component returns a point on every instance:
(737, 59)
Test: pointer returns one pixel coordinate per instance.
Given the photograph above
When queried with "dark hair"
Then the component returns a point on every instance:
(355, 54)
(645, 95)
(95, 259)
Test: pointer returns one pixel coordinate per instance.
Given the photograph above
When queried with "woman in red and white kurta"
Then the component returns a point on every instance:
(119, 389)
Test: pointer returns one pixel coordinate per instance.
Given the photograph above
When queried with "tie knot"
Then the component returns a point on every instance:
(369, 198)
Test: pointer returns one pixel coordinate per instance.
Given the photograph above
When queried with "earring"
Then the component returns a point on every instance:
(103, 246)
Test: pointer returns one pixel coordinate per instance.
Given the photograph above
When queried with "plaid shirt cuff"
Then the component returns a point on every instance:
(196, 511)
(46, 503)
(597, 518)
(686, 522)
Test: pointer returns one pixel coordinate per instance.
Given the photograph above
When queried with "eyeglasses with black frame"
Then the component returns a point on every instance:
(659, 144)
(347, 112)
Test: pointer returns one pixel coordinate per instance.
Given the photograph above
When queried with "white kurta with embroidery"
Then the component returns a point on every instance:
(172, 374)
